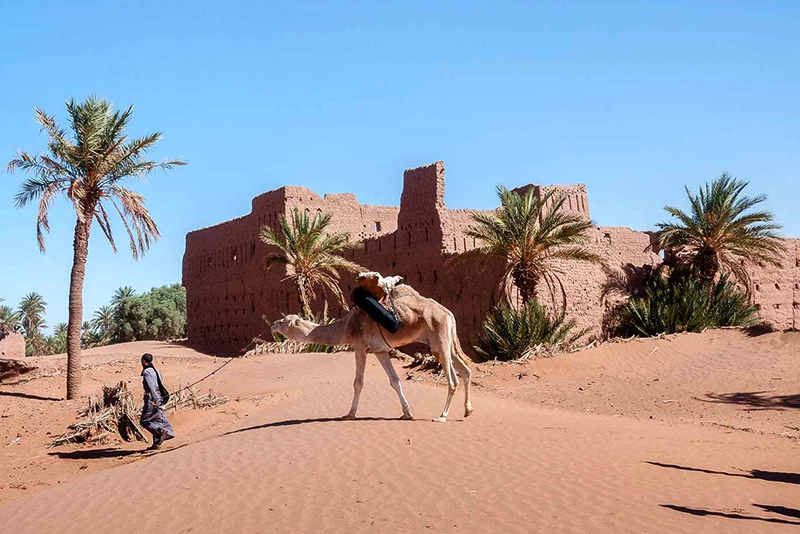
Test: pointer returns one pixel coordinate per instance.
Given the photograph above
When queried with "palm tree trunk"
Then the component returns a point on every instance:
(302, 291)
(80, 253)
(526, 282)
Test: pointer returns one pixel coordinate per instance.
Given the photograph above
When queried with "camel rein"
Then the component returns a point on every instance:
(241, 355)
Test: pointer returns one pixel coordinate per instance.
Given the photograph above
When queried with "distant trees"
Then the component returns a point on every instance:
(157, 314)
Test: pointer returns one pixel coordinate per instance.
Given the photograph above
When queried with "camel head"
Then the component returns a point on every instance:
(287, 326)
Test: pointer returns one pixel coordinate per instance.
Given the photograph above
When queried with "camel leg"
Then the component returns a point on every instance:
(463, 370)
(394, 380)
(443, 354)
(466, 375)
(358, 383)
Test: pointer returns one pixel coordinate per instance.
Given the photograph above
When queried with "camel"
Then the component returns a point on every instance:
(423, 320)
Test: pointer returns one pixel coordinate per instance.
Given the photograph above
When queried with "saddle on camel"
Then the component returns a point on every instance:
(370, 294)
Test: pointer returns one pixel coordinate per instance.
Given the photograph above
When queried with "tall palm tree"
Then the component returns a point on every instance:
(31, 312)
(88, 166)
(721, 233)
(311, 254)
(531, 235)
(103, 321)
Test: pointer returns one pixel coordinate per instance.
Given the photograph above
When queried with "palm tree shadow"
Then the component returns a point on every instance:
(701, 512)
(782, 510)
(27, 396)
(293, 422)
(757, 474)
(755, 400)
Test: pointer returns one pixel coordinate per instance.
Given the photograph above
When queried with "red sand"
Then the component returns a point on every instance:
(614, 439)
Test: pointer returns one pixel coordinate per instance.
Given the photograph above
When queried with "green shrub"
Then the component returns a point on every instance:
(677, 303)
(512, 334)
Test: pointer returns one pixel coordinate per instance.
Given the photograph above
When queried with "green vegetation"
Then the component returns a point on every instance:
(311, 253)
(512, 334)
(157, 314)
(679, 303)
(87, 166)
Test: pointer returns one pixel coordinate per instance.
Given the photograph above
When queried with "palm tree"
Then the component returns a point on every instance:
(720, 233)
(530, 235)
(31, 312)
(121, 294)
(88, 168)
(9, 319)
(103, 321)
(311, 254)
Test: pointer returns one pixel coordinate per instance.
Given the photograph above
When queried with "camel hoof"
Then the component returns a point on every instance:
(407, 417)
(440, 420)
(348, 417)
(468, 412)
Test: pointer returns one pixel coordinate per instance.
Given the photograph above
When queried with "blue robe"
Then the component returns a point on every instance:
(153, 418)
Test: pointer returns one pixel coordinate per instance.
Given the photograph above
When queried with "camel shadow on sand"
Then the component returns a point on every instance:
(293, 422)
(96, 454)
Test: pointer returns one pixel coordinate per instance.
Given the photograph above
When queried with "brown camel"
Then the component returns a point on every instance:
(423, 320)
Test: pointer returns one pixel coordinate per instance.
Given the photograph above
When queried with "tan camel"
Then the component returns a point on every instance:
(423, 320)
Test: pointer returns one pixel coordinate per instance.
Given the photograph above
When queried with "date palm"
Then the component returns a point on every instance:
(9, 319)
(31, 314)
(531, 235)
(721, 233)
(121, 294)
(102, 322)
(312, 255)
(87, 165)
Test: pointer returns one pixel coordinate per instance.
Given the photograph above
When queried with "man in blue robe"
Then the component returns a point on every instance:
(153, 418)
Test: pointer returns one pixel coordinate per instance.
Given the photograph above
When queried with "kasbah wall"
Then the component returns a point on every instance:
(12, 345)
(228, 289)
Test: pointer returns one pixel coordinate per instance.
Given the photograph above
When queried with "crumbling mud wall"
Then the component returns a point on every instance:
(12, 345)
(229, 291)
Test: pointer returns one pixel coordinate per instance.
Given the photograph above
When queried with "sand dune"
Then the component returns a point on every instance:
(540, 454)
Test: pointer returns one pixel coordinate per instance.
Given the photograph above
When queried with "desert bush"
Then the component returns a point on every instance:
(678, 303)
(515, 333)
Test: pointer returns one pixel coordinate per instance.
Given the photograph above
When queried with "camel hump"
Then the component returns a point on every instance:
(377, 285)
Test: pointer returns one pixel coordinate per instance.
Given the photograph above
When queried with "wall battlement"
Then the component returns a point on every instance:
(228, 289)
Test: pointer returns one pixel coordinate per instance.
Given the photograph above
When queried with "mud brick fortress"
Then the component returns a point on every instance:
(228, 289)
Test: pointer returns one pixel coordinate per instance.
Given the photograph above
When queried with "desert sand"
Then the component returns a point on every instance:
(689, 433)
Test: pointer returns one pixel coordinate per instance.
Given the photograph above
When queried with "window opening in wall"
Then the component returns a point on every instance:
(426, 234)
(252, 249)
(394, 264)
(377, 226)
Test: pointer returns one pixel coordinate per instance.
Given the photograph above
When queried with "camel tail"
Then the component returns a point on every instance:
(458, 351)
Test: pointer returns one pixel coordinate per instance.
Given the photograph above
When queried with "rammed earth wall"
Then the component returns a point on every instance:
(229, 291)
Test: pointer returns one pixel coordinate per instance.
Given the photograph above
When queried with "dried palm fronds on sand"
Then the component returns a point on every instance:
(117, 414)
(289, 346)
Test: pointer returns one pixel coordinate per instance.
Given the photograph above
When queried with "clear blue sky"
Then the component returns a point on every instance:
(635, 99)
